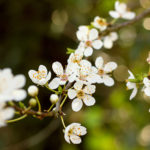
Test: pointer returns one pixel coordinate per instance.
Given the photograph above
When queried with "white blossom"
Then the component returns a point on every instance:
(121, 11)
(81, 94)
(5, 114)
(104, 70)
(131, 85)
(76, 57)
(100, 23)
(10, 86)
(146, 88)
(87, 73)
(73, 133)
(109, 39)
(40, 77)
(89, 39)
(69, 74)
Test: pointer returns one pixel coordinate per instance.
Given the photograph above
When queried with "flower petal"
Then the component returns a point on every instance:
(108, 81)
(133, 94)
(88, 51)
(99, 62)
(54, 83)
(89, 89)
(147, 91)
(75, 139)
(97, 44)
(128, 15)
(72, 93)
(77, 104)
(89, 100)
(78, 85)
(110, 66)
(43, 69)
(19, 95)
(93, 34)
(114, 14)
(57, 68)
(19, 81)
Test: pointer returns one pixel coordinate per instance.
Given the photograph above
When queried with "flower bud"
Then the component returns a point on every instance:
(54, 98)
(32, 102)
(33, 90)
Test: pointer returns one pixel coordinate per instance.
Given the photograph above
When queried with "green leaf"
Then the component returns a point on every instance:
(69, 51)
(22, 105)
(60, 89)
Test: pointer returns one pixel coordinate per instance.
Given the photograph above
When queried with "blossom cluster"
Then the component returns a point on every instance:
(79, 72)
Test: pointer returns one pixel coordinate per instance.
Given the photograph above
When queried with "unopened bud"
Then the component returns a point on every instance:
(33, 90)
(32, 102)
(54, 98)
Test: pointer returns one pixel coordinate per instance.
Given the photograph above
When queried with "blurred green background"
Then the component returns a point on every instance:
(34, 32)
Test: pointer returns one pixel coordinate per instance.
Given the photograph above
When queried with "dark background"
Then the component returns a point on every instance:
(34, 32)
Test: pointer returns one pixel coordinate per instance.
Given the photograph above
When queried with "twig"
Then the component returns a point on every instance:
(127, 23)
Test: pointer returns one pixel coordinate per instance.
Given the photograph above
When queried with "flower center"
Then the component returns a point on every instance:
(64, 77)
(101, 22)
(39, 75)
(100, 72)
(88, 43)
(80, 94)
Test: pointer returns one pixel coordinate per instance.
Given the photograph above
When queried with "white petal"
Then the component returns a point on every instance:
(48, 76)
(81, 130)
(72, 93)
(97, 44)
(19, 81)
(146, 82)
(131, 75)
(88, 51)
(128, 15)
(92, 78)
(93, 34)
(77, 104)
(89, 89)
(42, 82)
(42, 68)
(54, 83)
(108, 81)
(58, 68)
(133, 94)
(32, 73)
(7, 113)
(99, 62)
(89, 100)
(75, 139)
(131, 85)
(82, 33)
(78, 85)
(85, 67)
(19, 95)
(120, 7)
(147, 91)
(110, 66)
(114, 14)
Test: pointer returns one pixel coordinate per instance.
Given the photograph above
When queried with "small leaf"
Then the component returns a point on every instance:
(22, 105)
(60, 89)
(69, 51)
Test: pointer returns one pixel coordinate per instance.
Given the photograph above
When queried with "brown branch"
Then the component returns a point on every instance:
(127, 23)
(38, 114)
